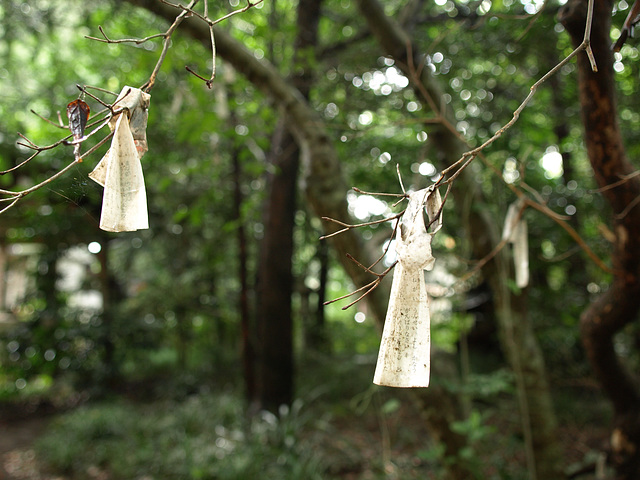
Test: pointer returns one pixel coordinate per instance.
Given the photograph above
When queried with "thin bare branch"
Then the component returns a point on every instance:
(205, 17)
(60, 123)
(470, 155)
(165, 48)
(137, 41)
(382, 194)
(571, 231)
(628, 208)
(623, 179)
(447, 177)
(348, 226)
(33, 146)
(83, 89)
(368, 288)
(487, 258)
(24, 162)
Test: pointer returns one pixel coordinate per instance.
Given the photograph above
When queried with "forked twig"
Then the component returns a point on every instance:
(370, 287)
(450, 173)
(11, 197)
(185, 11)
(348, 226)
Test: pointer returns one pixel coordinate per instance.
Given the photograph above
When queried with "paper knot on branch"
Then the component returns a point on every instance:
(515, 232)
(124, 202)
(404, 357)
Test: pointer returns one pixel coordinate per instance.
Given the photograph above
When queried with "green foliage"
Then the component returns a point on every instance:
(199, 438)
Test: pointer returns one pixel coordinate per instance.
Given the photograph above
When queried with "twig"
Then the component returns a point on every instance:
(540, 205)
(205, 17)
(470, 155)
(12, 197)
(628, 208)
(165, 47)
(186, 11)
(358, 225)
(83, 89)
(500, 245)
(60, 123)
(137, 41)
(211, 23)
(363, 192)
(623, 179)
(369, 287)
(459, 165)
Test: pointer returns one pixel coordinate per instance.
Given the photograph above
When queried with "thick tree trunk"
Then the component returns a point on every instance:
(516, 332)
(620, 304)
(275, 278)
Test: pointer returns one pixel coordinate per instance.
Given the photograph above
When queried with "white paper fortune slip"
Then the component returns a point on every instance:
(515, 232)
(124, 202)
(404, 357)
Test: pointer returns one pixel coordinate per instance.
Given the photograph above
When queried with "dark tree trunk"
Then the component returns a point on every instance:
(619, 306)
(275, 278)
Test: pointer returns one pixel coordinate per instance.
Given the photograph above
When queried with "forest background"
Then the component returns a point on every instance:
(202, 348)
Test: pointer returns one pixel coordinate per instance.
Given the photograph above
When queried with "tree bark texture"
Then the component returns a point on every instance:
(324, 183)
(619, 305)
(275, 278)
(516, 332)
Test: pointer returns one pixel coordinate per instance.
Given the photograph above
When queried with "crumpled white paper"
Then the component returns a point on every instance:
(515, 232)
(404, 356)
(124, 202)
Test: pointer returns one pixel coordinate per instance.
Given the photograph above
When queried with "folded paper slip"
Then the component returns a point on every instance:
(124, 203)
(515, 232)
(405, 348)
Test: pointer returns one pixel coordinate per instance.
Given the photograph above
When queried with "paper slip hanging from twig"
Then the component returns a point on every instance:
(124, 203)
(404, 357)
(515, 232)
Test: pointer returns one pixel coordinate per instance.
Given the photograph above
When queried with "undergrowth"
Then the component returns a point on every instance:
(201, 437)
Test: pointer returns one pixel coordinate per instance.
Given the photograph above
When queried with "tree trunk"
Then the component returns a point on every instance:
(275, 279)
(619, 305)
(517, 338)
